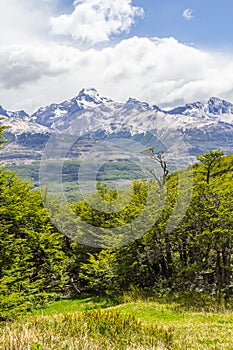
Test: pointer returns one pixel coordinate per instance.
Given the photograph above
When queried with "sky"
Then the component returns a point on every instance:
(167, 53)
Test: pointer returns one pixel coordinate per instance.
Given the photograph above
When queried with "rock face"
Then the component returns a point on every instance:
(201, 126)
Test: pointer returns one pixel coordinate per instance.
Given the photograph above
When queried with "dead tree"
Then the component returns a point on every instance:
(158, 157)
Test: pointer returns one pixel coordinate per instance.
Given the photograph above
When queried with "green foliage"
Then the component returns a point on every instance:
(196, 253)
(209, 160)
(32, 263)
(184, 247)
(100, 272)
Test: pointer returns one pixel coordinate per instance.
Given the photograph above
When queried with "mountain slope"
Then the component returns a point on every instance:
(25, 138)
(202, 126)
(89, 111)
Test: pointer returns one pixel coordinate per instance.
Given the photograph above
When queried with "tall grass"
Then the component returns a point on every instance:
(142, 321)
(186, 301)
(96, 330)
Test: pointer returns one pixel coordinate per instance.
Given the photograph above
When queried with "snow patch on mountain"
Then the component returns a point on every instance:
(137, 105)
(89, 98)
(16, 114)
(89, 112)
(19, 126)
(214, 109)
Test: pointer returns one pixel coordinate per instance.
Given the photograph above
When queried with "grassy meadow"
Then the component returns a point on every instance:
(133, 322)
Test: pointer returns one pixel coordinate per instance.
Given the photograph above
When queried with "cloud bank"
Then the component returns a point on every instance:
(37, 68)
(160, 71)
(96, 21)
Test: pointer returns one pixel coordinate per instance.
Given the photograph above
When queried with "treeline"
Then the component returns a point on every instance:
(184, 242)
(188, 245)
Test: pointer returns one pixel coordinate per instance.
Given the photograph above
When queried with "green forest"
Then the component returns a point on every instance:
(178, 253)
(38, 262)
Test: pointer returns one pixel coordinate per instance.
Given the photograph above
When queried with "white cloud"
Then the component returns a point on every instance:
(96, 21)
(160, 71)
(24, 22)
(20, 65)
(188, 14)
(35, 71)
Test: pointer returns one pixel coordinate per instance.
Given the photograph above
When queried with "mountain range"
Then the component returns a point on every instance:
(89, 116)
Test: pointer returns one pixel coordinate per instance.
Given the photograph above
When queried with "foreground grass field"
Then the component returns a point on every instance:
(177, 322)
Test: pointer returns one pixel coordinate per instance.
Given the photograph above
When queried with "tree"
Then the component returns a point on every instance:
(209, 160)
(158, 157)
(196, 252)
(32, 261)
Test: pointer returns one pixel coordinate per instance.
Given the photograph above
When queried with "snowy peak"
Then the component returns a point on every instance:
(49, 115)
(90, 98)
(188, 109)
(90, 111)
(217, 106)
(18, 114)
(203, 124)
(53, 114)
(156, 108)
(8, 114)
(18, 123)
(136, 104)
(3, 112)
(18, 126)
(213, 109)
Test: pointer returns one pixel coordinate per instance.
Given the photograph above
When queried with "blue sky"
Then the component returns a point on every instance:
(164, 52)
(211, 25)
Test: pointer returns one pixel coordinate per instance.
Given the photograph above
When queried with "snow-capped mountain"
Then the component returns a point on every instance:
(25, 138)
(88, 111)
(19, 122)
(3, 112)
(138, 105)
(56, 115)
(8, 114)
(204, 126)
(214, 108)
(18, 126)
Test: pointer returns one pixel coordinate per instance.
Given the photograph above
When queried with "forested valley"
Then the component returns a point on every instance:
(39, 264)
